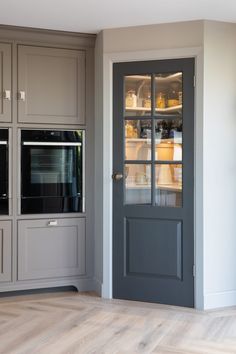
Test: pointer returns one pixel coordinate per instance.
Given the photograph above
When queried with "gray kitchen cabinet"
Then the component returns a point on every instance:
(51, 85)
(5, 251)
(5, 82)
(46, 82)
(51, 248)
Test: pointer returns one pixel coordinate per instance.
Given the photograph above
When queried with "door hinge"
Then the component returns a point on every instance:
(194, 81)
(194, 271)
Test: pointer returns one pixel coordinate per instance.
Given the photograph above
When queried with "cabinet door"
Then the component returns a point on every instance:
(5, 82)
(51, 248)
(51, 85)
(5, 251)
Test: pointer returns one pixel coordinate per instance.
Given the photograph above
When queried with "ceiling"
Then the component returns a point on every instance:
(91, 16)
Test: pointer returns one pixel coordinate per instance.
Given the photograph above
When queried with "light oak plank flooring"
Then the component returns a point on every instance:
(67, 323)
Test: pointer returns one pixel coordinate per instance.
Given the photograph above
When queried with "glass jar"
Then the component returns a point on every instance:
(160, 101)
(128, 130)
(173, 98)
(131, 99)
(147, 101)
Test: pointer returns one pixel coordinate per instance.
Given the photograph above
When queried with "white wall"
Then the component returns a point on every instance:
(144, 38)
(98, 154)
(215, 145)
(141, 43)
(219, 164)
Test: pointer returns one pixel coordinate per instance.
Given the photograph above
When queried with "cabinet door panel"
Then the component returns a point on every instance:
(5, 82)
(46, 251)
(5, 251)
(51, 85)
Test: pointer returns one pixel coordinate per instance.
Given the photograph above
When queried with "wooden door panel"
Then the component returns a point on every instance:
(153, 248)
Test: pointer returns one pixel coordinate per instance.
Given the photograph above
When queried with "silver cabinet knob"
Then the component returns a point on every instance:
(21, 95)
(117, 176)
(7, 95)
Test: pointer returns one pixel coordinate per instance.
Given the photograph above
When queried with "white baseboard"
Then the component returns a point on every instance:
(221, 299)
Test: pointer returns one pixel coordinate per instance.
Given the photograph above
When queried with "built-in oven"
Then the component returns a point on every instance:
(52, 170)
(4, 139)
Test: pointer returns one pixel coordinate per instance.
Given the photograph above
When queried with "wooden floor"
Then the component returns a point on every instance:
(82, 323)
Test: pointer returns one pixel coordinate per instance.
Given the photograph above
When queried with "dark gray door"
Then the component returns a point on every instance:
(153, 188)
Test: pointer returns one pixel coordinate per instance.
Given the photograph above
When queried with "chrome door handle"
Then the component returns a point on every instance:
(117, 176)
(7, 95)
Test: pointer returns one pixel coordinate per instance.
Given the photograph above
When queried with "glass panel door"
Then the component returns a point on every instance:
(153, 126)
(153, 181)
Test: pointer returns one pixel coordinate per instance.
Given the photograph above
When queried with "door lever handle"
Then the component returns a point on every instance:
(117, 176)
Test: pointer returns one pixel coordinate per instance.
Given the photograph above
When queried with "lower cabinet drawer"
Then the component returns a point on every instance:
(5, 251)
(51, 248)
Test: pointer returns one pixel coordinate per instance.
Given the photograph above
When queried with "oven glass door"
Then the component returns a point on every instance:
(51, 177)
(3, 178)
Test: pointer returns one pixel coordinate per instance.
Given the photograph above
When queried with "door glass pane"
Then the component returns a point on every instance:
(168, 139)
(137, 184)
(137, 95)
(168, 93)
(138, 139)
(168, 185)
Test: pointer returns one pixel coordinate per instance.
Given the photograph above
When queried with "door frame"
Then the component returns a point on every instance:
(106, 120)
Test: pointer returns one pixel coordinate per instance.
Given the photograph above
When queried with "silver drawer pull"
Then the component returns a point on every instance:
(7, 95)
(52, 223)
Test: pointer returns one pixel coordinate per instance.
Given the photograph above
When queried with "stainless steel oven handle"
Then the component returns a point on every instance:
(41, 143)
(3, 142)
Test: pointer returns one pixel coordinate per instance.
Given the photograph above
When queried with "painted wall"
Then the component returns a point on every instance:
(98, 154)
(163, 36)
(215, 120)
(219, 164)
(135, 43)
